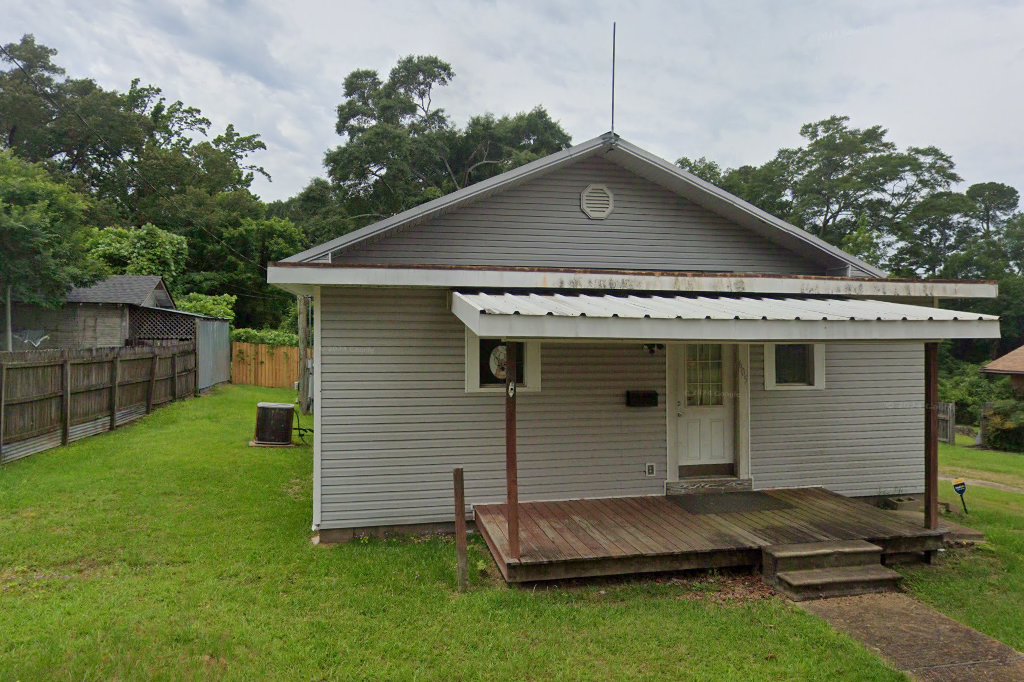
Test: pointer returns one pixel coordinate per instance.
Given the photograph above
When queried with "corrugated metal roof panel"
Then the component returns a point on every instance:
(711, 317)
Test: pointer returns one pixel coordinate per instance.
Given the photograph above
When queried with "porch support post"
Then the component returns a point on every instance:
(931, 435)
(511, 462)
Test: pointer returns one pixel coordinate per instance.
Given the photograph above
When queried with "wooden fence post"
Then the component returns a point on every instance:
(65, 414)
(115, 379)
(151, 393)
(3, 406)
(174, 376)
(462, 572)
(195, 369)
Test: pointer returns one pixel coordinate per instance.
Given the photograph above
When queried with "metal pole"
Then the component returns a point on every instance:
(931, 435)
(511, 463)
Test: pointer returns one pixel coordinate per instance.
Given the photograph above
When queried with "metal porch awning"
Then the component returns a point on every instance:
(711, 318)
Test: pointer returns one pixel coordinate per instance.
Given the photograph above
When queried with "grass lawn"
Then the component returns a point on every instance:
(171, 550)
(982, 587)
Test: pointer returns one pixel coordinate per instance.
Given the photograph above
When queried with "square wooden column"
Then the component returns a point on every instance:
(511, 459)
(931, 435)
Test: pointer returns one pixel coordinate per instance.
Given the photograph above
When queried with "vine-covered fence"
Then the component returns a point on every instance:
(54, 397)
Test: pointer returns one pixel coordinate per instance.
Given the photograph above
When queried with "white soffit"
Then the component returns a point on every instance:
(718, 318)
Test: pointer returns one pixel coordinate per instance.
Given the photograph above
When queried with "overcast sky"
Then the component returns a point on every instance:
(728, 80)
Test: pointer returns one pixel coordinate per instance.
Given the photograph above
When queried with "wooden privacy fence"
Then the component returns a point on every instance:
(947, 423)
(258, 364)
(53, 397)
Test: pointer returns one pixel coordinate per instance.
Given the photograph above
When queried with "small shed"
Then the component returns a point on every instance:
(1011, 365)
(126, 310)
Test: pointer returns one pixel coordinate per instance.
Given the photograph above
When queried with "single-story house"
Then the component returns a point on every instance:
(596, 338)
(1011, 365)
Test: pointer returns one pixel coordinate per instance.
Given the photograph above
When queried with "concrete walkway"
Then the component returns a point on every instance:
(919, 640)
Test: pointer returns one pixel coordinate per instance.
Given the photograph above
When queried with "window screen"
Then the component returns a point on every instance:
(794, 364)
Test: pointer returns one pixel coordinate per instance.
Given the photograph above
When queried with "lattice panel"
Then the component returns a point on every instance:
(148, 324)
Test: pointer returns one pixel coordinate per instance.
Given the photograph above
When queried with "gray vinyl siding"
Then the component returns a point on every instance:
(862, 435)
(396, 417)
(540, 224)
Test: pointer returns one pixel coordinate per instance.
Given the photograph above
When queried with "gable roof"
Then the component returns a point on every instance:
(141, 290)
(642, 163)
(1011, 363)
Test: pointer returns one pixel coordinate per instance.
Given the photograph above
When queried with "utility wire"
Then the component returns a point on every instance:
(110, 149)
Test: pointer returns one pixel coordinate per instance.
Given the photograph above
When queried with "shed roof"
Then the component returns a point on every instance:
(1011, 363)
(707, 318)
(125, 289)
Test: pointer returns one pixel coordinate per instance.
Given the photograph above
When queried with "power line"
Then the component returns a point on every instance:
(110, 148)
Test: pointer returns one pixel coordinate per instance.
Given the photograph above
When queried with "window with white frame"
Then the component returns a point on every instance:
(794, 366)
(486, 364)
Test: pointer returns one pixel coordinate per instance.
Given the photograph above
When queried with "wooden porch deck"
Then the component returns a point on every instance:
(617, 536)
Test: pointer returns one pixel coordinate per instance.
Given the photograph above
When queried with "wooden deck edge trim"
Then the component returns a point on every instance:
(593, 568)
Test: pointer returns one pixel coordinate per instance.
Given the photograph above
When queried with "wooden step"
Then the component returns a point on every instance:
(807, 555)
(702, 485)
(838, 581)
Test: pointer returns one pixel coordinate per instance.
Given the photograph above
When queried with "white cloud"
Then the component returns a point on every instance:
(732, 81)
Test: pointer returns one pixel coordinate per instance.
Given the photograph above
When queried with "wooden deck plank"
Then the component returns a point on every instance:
(571, 542)
(606, 524)
(660, 534)
(605, 546)
(611, 536)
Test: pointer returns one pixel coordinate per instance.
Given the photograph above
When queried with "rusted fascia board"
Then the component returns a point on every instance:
(295, 278)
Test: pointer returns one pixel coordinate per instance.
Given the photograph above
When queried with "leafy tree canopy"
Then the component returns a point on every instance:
(42, 239)
(145, 250)
(222, 306)
(401, 150)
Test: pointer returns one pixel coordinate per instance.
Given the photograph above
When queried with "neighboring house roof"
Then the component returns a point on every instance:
(644, 164)
(141, 290)
(1011, 363)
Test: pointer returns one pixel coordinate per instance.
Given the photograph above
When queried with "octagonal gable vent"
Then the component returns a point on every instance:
(597, 201)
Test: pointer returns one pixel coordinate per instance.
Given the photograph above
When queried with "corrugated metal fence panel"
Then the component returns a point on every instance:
(862, 435)
(89, 428)
(396, 417)
(29, 446)
(213, 342)
(540, 224)
(130, 414)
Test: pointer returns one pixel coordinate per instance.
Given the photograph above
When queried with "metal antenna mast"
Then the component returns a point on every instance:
(613, 76)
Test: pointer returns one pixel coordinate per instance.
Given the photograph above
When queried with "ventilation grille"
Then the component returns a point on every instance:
(597, 201)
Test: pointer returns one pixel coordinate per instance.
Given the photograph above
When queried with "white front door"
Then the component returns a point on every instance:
(705, 404)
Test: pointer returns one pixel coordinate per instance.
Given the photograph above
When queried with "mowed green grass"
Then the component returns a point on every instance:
(171, 550)
(984, 586)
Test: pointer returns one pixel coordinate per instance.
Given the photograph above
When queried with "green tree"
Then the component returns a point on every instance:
(145, 250)
(243, 254)
(704, 168)
(42, 238)
(400, 150)
(222, 306)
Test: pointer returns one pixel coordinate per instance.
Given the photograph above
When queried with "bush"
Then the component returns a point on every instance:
(269, 337)
(965, 384)
(1005, 426)
(222, 306)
